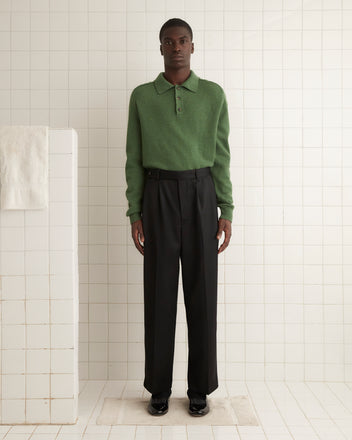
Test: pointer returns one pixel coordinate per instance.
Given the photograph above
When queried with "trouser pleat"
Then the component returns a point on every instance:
(199, 276)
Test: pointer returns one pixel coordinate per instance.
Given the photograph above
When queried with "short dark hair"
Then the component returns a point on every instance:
(173, 22)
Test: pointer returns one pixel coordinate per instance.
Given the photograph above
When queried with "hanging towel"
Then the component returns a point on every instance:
(24, 167)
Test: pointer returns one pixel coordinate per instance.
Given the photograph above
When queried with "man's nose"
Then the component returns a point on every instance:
(176, 47)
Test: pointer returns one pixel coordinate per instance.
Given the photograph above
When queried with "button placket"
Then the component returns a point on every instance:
(178, 100)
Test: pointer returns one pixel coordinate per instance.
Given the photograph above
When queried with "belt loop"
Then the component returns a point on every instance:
(153, 173)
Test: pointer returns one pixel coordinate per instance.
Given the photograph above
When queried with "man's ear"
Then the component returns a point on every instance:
(161, 49)
(192, 48)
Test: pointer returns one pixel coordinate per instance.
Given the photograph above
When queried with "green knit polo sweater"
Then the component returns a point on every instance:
(178, 127)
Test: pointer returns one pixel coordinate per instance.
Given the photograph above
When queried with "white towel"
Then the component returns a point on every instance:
(24, 167)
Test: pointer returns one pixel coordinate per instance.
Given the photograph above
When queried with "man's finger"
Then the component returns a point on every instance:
(138, 235)
(221, 225)
(224, 226)
(140, 240)
(225, 243)
(141, 233)
(138, 244)
(219, 233)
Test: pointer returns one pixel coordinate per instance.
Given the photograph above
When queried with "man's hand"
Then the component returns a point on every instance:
(138, 235)
(224, 226)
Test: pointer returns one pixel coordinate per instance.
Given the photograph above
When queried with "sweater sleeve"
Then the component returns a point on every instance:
(134, 170)
(221, 168)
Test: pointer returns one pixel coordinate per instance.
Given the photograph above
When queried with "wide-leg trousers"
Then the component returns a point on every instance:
(180, 223)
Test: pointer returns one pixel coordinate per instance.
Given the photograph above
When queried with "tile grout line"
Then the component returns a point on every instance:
(243, 241)
(304, 343)
(264, 225)
(51, 375)
(323, 290)
(284, 293)
(24, 244)
(329, 417)
(278, 407)
(89, 367)
(252, 401)
(107, 210)
(302, 409)
(344, 338)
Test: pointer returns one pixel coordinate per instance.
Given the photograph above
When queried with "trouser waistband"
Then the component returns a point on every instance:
(154, 173)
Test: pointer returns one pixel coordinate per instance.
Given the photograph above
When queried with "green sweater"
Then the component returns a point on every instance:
(178, 127)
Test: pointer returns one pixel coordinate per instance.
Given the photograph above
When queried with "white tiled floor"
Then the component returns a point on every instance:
(286, 411)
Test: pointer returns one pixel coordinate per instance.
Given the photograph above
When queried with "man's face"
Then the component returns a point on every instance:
(176, 47)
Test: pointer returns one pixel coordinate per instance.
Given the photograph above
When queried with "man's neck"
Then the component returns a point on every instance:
(178, 76)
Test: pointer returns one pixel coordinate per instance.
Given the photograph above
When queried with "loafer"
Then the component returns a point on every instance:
(158, 406)
(198, 407)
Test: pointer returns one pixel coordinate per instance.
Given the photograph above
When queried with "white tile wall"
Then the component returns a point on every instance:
(39, 298)
(285, 295)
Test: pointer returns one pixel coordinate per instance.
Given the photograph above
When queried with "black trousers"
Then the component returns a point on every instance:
(180, 223)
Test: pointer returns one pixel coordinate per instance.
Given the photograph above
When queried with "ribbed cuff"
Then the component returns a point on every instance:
(134, 217)
(226, 214)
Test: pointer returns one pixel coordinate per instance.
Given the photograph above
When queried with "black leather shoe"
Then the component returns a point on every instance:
(198, 407)
(158, 406)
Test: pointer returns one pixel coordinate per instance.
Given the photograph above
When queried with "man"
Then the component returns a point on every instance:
(177, 173)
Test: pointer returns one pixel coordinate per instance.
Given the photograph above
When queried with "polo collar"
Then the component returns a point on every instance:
(162, 84)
